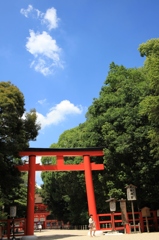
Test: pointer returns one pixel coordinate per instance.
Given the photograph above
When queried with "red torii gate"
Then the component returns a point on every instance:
(60, 153)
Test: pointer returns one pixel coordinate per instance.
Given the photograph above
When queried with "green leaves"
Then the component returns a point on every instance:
(15, 133)
(124, 120)
(150, 105)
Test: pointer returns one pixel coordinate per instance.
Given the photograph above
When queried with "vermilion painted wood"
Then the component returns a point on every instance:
(64, 167)
(90, 190)
(30, 197)
(62, 152)
(86, 166)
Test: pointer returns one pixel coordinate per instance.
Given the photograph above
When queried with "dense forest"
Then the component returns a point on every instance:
(124, 120)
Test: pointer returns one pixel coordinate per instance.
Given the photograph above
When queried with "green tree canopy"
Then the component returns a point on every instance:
(150, 105)
(17, 128)
(124, 121)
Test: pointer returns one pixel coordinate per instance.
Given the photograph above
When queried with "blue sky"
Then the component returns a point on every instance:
(58, 53)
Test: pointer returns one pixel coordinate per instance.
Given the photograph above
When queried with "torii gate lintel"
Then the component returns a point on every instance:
(60, 153)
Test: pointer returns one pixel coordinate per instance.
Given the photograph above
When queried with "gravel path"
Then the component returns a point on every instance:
(83, 234)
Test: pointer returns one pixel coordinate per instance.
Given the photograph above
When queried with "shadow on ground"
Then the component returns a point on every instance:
(59, 236)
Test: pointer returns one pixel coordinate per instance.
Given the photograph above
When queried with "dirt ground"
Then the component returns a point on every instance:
(84, 234)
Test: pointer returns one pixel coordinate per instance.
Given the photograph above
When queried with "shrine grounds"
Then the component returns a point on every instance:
(49, 234)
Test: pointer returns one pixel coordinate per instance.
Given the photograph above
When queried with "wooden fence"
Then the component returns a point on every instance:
(108, 222)
(113, 222)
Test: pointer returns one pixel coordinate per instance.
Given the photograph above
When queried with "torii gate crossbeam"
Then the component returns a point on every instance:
(60, 153)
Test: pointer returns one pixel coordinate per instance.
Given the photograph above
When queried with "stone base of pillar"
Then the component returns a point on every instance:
(30, 237)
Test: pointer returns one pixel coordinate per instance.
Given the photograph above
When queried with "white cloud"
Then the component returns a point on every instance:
(55, 116)
(38, 159)
(58, 113)
(26, 12)
(50, 18)
(39, 14)
(33, 12)
(38, 178)
(41, 102)
(40, 65)
(38, 173)
(45, 51)
(42, 44)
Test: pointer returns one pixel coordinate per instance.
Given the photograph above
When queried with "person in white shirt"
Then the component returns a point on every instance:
(92, 226)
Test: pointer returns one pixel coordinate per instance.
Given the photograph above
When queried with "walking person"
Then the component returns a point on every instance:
(92, 227)
(39, 226)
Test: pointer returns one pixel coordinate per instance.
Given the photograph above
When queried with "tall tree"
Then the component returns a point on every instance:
(150, 105)
(124, 132)
(17, 128)
(124, 121)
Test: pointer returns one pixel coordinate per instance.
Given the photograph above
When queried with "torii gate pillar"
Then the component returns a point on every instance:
(85, 166)
(31, 196)
(90, 190)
